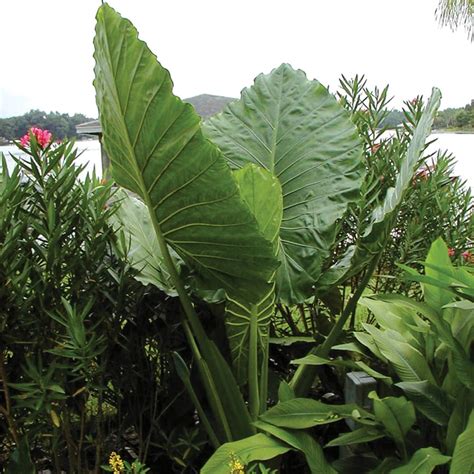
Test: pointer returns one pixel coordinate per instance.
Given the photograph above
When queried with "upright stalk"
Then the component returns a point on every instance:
(304, 375)
(196, 334)
(7, 409)
(254, 398)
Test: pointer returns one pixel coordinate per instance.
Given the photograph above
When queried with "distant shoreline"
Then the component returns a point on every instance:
(469, 131)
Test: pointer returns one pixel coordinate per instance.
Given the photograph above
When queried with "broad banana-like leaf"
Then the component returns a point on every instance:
(139, 242)
(247, 320)
(374, 237)
(295, 129)
(438, 255)
(360, 435)
(459, 417)
(157, 150)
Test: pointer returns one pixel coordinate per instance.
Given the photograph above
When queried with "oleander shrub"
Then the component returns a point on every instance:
(84, 347)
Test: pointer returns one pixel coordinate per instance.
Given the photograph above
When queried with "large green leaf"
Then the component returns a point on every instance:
(374, 236)
(398, 317)
(247, 320)
(422, 462)
(157, 150)
(438, 255)
(463, 455)
(459, 417)
(255, 448)
(295, 129)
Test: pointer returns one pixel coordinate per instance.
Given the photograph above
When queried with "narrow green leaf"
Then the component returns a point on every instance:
(429, 400)
(422, 462)
(301, 441)
(373, 238)
(285, 392)
(463, 455)
(183, 373)
(360, 435)
(20, 460)
(300, 413)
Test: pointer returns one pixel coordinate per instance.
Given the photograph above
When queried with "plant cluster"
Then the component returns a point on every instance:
(200, 309)
(85, 348)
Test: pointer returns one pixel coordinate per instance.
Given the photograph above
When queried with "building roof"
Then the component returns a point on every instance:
(206, 105)
(90, 128)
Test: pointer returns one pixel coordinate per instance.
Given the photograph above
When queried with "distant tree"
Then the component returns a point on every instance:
(457, 14)
(60, 125)
(393, 119)
(462, 119)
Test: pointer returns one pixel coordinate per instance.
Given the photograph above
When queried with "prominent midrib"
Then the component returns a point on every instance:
(138, 178)
(276, 128)
(169, 263)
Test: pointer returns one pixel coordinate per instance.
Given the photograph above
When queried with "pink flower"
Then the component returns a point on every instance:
(43, 137)
(467, 256)
(451, 252)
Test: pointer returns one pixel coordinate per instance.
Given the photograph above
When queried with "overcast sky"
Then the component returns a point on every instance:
(218, 47)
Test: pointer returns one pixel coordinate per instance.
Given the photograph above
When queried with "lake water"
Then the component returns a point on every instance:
(461, 145)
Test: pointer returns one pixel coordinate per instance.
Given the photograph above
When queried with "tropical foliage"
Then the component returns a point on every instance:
(425, 348)
(178, 317)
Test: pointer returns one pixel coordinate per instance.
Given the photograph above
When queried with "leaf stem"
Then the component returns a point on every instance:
(254, 398)
(7, 410)
(195, 332)
(304, 375)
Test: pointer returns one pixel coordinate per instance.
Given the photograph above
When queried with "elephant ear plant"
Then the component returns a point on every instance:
(226, 226)
(242, 209)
